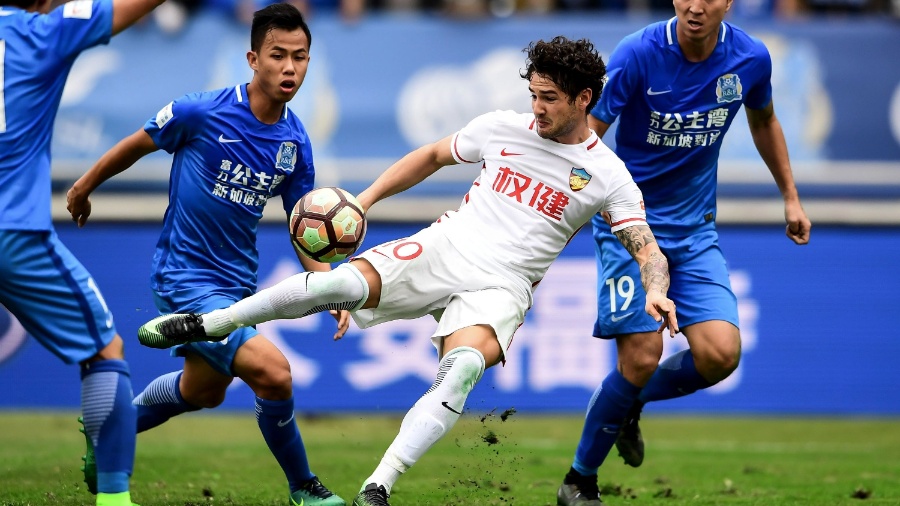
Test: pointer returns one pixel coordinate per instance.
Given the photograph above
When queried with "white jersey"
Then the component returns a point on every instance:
(533, 194)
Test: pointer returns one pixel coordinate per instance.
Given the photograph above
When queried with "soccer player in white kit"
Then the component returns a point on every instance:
(544, 175)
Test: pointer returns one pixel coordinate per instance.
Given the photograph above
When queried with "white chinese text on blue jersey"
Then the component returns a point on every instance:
(226, 166)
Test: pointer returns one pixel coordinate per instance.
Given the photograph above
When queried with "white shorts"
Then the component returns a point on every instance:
(424, 274)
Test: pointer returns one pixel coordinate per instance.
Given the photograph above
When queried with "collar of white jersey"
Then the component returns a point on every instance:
(671, 38)
(241, 89)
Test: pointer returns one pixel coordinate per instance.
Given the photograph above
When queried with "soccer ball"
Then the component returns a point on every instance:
(327, 224)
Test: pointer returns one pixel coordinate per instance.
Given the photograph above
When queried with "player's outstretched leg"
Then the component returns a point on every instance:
(629, 442)
(294, 297)
(372, 495)
(172, 329)
(89, 468)
(314, 493)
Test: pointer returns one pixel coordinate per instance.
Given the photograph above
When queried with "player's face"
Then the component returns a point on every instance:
(557, 118)
(700, 19)
(281, 63)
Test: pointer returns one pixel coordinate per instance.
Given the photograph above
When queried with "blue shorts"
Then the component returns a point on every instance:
(218, 354)
(52, 295)
(699, 287)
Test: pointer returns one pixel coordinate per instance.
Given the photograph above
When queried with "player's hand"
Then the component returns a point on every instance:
(662, 309)
(798, 225)
(79, 206)
(343, 322)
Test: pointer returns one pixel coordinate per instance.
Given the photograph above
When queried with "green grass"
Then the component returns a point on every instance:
(221, 459)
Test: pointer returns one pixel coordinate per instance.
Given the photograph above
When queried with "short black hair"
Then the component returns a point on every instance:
(280, 16)
(22, 4)
(573, 65)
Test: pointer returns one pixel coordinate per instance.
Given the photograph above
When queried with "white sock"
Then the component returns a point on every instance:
(297, 296)
(432, 416)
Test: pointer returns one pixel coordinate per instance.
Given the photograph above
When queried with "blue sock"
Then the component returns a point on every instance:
(109, 420)
(160, 401)
(676, 376)
(276, 422)
(607, 409)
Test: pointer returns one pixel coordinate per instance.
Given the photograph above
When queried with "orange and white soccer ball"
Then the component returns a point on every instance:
(327, 224)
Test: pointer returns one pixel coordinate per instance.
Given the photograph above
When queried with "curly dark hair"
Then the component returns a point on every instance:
(573, 65)
(276, 16)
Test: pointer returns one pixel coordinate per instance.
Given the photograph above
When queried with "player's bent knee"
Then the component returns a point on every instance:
(273, 384)
(467, 365)
(115, 350)
(638, 370)
(716, 365)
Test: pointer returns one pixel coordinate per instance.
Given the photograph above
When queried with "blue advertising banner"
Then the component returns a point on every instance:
(815, 323)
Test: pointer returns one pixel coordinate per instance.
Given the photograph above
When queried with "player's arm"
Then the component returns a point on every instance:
(128, 12)
(769, 140)
(120, 157)
(641, 244)
(407, 172)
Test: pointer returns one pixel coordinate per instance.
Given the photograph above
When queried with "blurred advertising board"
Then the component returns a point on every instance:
(815, 329)
(385, 85)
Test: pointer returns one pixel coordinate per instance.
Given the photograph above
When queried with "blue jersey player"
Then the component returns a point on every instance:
(234, 149)
(675, 87)
(41, 283)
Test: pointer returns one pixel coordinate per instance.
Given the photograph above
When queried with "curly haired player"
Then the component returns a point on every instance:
(544, 176)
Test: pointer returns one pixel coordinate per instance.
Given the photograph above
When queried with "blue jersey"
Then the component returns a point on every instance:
(227, 165)
(673, 113)
(36, 53)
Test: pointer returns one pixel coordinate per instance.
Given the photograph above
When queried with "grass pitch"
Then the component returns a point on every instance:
(221, 459)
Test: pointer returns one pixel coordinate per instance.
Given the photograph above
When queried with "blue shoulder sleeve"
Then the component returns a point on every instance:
(622, 73)
(759, 96)
(77, 25)
(178, 122)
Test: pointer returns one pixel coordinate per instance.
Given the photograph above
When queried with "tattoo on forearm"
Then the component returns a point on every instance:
(655, 273)
(635, 238)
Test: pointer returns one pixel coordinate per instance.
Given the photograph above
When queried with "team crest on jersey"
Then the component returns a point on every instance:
(728, 88)
(287, 156)
(578, 179)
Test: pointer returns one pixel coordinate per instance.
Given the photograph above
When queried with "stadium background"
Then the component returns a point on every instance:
(816, 321)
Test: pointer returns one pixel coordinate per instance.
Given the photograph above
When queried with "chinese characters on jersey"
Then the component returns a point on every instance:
(243, 185)
(536, 194)
(687, 130)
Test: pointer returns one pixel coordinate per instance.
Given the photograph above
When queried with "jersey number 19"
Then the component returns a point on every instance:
(625, 289)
